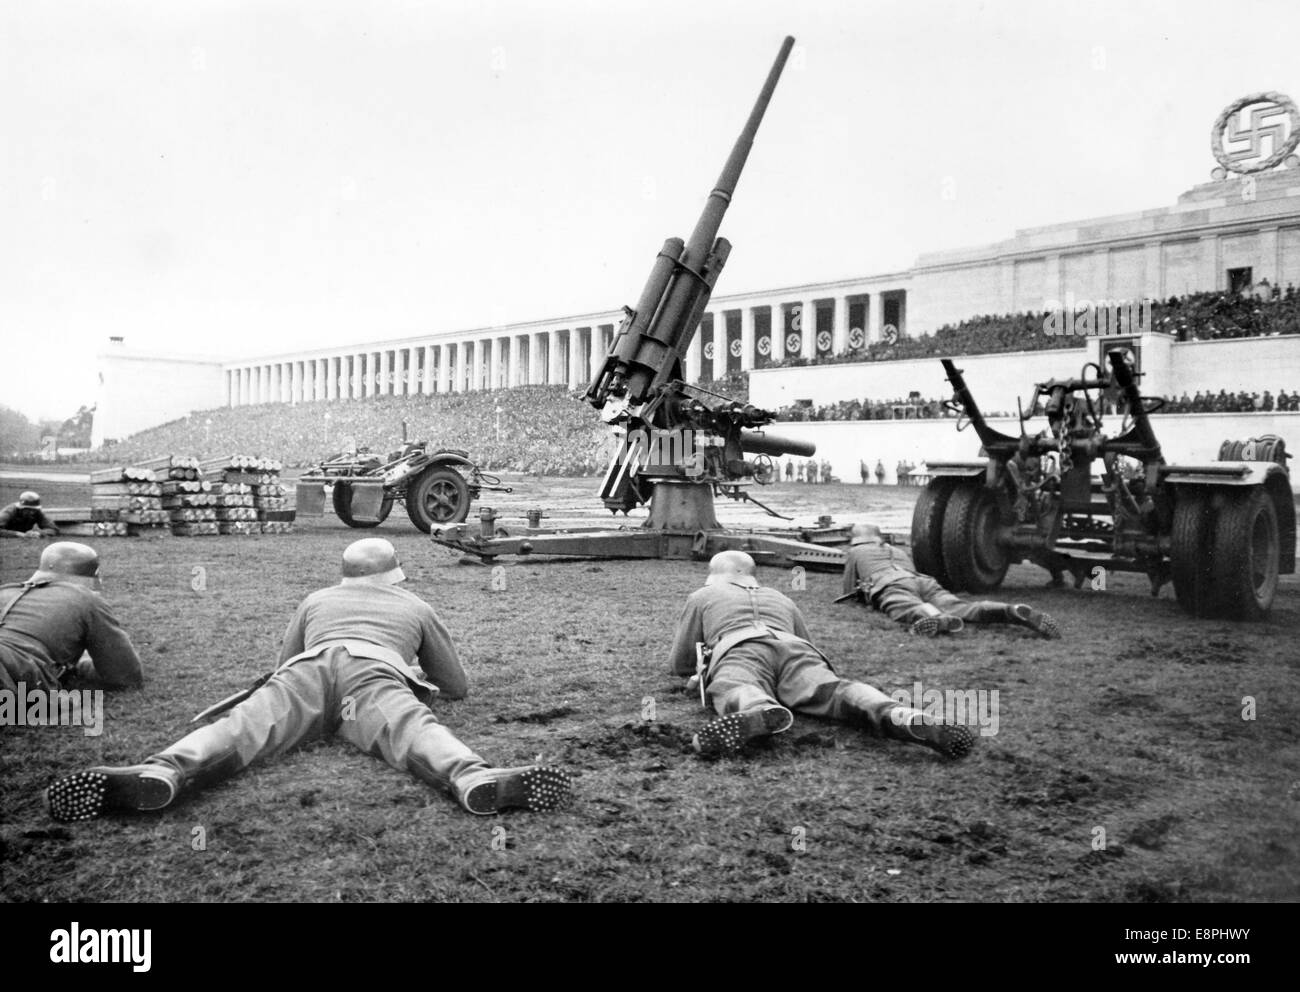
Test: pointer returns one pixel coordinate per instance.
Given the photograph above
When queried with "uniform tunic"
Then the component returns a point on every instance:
(46, 628)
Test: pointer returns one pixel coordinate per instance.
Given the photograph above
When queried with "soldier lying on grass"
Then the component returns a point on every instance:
(343, 670)
(762, 664)
(884, 576)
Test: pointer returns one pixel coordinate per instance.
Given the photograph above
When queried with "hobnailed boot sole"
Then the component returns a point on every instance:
(538, 788)
(1036, 620)
(950, 741)
(728, 734)
(934, 626)
(85, 795)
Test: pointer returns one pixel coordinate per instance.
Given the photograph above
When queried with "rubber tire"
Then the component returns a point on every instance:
(343, 507)
(975, 563)
(1191, 537)
(927, 529)
(1246, 555)
(449, 483)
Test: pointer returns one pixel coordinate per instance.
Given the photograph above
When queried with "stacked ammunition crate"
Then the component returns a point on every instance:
(247, 495)
(127, 500)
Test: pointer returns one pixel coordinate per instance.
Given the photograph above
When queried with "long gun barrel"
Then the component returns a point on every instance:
(648, 350)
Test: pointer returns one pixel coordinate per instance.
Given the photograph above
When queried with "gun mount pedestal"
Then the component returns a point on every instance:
(682, 506)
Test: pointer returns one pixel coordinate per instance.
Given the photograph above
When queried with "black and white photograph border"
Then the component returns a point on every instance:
(402, 504)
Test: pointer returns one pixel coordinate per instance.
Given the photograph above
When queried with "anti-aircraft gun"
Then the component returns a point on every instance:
(677, 445)
(1071, 498)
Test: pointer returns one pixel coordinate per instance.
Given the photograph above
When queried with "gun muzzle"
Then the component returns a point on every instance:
(766, 443)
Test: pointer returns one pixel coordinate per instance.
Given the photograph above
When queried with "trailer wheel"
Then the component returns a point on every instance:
(1191, 538)
(343, 507)
(1246, 553)
(439, 496)
(927, 529)
(974, 560)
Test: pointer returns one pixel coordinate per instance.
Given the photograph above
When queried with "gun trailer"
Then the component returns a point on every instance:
(1071, 498)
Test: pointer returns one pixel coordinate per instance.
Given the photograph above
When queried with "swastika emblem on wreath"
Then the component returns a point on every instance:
(823, 340)
(764, 345)
(735, 348)
(1273, 120)
(793, 342)
(856, 337)
(890, 333)
(708, 350)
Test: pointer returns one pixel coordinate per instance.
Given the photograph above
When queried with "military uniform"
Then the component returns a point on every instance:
(18, 519)
(344, 670)
(889, 581)
(46, 625)
(762, 655)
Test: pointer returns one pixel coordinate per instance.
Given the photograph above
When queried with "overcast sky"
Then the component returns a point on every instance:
(244, 178)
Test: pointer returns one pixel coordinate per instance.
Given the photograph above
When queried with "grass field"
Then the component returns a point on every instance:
(1133, 724)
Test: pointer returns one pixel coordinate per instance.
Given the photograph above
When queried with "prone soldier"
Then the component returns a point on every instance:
(762, 664)
(885, 577)
(56, 625)
(344, 669)
(26, 518)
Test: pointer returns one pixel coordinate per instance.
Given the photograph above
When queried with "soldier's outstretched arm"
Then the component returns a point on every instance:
(690, 631)
(111, 651)
(440, 661)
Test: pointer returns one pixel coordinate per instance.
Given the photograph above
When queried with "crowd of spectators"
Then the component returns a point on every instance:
(911, 408)
(1260, 311)
(544, 430)
(1238, 402)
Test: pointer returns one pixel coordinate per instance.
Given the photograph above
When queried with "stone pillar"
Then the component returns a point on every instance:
(694, 352)
(367, 374)
(555, 358)
(746, 338)
(777, 322)
(385, 373)
(331, 380)
(875, 315)
(595, 353)
(808, 324)
(719, 345)
(440, 377)
(577, 367)
(426, 374)
(840, 332)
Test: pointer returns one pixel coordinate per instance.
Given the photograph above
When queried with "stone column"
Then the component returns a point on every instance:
(694, 352)
(875, 316)
(577, 367)
(719, 368)
(595, 353)
(440, 375)
(840, 332)
(746, 338)
(777, 323)
(555, 358)
(808, 311)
